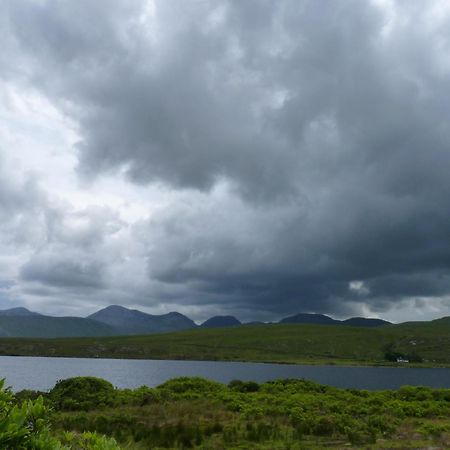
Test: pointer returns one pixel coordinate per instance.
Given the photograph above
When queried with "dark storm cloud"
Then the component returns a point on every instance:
(326, 121)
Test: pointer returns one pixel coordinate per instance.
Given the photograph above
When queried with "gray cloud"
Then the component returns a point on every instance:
(307, 141)
(62, 271)
(20, 207)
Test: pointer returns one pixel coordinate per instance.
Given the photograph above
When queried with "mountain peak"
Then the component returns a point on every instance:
(19, 311)
(133, 321)
(309, 318)
(114, 308)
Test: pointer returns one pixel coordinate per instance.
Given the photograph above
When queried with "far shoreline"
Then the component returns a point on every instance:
(309, 362)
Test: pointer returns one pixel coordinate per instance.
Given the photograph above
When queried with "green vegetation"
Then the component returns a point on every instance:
(25, 425)
(88, 413)
(289, 343)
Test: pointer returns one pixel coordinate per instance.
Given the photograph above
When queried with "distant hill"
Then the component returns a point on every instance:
(442, 321)
(20, 311)
(321, 319)
(46, 326)
(132, 321)
(118, 320)
(221, 321)
(365, 322)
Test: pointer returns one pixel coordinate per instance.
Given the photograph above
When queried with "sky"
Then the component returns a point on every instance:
(243, 157)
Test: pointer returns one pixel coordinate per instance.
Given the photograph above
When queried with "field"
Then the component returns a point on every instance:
(423, 343)
(88, 413)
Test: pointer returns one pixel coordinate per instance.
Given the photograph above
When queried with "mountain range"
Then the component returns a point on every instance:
(321, 319)
(117, 320)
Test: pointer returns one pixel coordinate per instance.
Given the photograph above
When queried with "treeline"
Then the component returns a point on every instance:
(393, 355)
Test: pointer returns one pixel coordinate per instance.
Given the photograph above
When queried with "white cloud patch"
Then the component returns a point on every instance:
(358, 287)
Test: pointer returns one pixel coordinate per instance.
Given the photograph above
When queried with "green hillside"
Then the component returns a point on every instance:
(290, 343)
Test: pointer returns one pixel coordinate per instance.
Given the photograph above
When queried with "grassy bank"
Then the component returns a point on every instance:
(287, 414)
(318, 344)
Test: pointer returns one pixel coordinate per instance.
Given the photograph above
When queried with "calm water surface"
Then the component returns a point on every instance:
(42, 373)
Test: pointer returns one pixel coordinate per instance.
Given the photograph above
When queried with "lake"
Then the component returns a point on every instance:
(42, 373)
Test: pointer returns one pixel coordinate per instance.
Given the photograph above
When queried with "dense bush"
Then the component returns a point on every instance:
(191, 387)
(243, 386)
(82, 393)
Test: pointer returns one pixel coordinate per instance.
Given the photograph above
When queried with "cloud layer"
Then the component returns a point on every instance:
(290, 156)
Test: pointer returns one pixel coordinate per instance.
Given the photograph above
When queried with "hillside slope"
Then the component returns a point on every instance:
(52, 327)
(291, 343)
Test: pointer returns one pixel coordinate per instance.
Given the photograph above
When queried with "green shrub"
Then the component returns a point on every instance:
(82, 393)
(324, 426)
(243, 386)
(25, 426)
(27, 394)
(191, 387)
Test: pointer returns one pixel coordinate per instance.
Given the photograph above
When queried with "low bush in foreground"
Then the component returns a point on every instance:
(26, 426)
(198, 413)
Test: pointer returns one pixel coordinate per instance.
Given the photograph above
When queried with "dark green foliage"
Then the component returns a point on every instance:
(393, 355)
(82, 393)
(243, 386)
(190, 387)
(27, 394)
